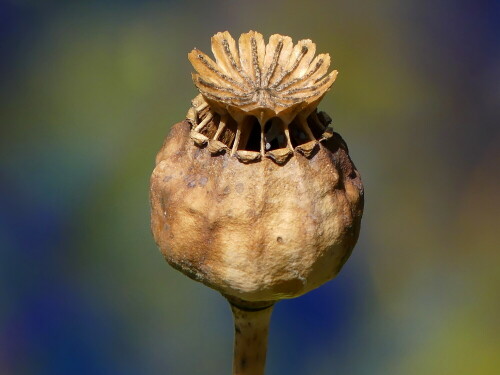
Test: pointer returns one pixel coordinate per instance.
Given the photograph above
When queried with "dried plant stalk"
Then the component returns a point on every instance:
(251, 327)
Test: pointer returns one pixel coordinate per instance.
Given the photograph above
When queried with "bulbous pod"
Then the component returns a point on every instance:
(257, 231)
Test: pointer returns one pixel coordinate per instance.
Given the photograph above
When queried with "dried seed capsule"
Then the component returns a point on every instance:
(258, 229)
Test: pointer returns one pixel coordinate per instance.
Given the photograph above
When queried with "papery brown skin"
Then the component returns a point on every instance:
(258, 231)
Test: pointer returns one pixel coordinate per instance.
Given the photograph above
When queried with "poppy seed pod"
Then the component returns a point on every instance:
(254, 194)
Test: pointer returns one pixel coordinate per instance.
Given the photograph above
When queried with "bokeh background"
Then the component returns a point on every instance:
(89, 90)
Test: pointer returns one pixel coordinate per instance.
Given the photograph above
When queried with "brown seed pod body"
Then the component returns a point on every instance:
(257, 231)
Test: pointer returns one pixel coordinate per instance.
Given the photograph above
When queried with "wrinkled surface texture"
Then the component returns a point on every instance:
(256, 231)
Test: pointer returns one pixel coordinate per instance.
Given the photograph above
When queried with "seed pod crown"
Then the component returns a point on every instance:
(260, 100)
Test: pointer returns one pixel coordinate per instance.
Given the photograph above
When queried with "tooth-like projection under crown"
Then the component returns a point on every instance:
(260, 100)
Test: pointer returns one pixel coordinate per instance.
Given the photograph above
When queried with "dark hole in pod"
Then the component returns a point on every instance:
(253, 143)
(274, 135)
(316, 128)
(273, 145)
(229, 132)
(297, 134)
(267, 127)
(211, 128)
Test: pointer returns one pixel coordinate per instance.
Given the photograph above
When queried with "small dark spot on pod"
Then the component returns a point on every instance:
(279, 239)
(243, 362)
(203, 181)
(239, 188)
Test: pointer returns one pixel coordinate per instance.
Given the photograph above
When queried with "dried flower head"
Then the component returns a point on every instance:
(269, 93)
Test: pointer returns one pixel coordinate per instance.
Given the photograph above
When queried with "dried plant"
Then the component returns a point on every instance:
(254, 194)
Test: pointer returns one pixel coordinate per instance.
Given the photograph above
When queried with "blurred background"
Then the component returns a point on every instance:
(89, 89)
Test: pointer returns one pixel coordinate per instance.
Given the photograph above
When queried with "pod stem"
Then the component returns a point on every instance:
(251, 327)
